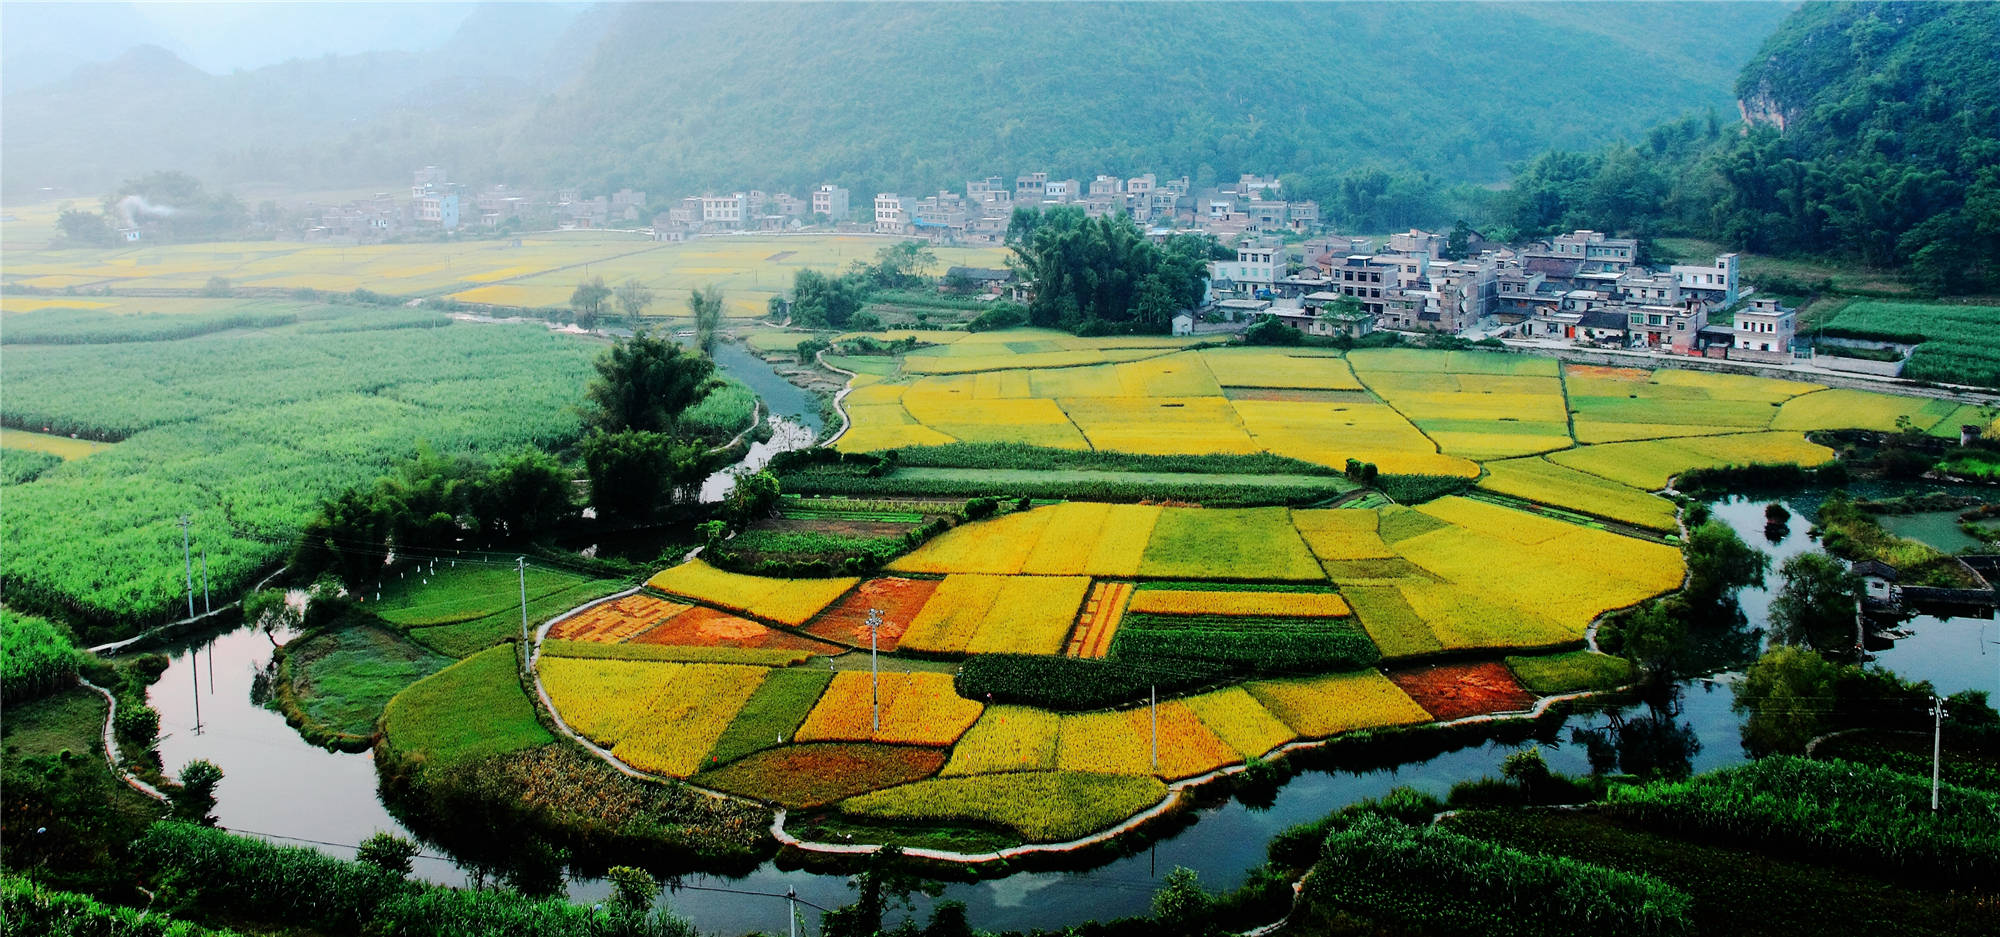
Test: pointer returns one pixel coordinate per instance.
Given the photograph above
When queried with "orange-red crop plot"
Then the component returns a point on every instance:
(1453, 691)
(1099, 619)
(615, 621)
(898, 599)
(706, 627)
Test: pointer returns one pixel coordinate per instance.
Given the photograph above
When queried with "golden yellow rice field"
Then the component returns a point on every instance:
(787, 601)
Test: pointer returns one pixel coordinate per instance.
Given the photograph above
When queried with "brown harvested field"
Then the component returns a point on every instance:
(832, 527)
(1098, 621)
(706, 627)
(1453, 691)
(613, 622)
(899, 600)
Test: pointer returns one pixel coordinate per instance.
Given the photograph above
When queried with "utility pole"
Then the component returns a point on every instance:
(792, 903)
(1937, 746)
(1156, 727)
(874, 676)
(187, 557)
(207, 605)
(521, 563)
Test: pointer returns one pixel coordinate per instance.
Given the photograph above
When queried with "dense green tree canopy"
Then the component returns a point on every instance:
(646, 383)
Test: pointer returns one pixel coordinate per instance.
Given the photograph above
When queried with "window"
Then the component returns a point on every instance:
(1680, 326)
(1638, 319)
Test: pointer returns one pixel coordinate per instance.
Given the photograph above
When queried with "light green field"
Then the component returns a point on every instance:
(62, 446)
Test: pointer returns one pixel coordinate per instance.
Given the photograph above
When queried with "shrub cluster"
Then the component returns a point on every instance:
(1074, 684)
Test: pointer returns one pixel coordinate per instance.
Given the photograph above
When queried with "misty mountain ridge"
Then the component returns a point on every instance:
(677, 98)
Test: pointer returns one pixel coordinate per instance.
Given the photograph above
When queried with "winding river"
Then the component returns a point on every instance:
(277, 785)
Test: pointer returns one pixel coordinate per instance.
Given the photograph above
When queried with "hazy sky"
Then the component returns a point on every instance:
(45, 41)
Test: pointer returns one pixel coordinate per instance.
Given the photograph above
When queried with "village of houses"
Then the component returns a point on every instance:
(1584, 288)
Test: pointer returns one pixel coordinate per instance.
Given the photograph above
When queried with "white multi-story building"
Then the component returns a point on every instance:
(1715, 282)
(1255, 268)
(889, 215)
(726, 210)
(1764, 331)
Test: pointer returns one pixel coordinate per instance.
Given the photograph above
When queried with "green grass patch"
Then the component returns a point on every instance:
(466, 638)
(1247, 543)
(1570, 672)
(1042, 806)
(472, 708)
(461, 593)
(1389, 620)
(333, 684)
(1958, 342)
(773, 713)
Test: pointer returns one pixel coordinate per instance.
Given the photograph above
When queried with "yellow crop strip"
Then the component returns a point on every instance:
(1194, 602)
(1240, 721)
(1542, 481)
(997, 545)
(788, 601)
(680, 727)
(954, 613)
(1341, 535)
(1317, 707)
(1648, 465)
(1029, 615)
(1007, 738)
(926, 711)
(1069, 539)
(1122, 743)
(846, 710)
(601, 699)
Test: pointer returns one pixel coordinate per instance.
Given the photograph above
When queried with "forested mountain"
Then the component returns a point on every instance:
(1875, 135)
(906, 96)
(917, 96)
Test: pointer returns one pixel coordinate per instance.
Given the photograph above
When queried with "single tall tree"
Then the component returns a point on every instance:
(645, 383)
(1817, 604)
(633, 298)
(706, 305)
(587, 301)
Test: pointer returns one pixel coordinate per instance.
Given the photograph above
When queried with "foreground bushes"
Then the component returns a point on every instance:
(1438, 882)
(1869, 818)
(203, 870)
(36, 658)
(28, 908)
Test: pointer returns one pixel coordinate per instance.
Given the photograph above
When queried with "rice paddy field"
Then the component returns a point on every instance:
(1594, 440)
(536, 270)
(723, 678)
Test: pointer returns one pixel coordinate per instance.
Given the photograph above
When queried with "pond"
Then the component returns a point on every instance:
(276, 784)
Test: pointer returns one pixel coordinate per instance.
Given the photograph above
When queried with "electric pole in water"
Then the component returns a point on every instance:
(792, 903)
(188, 557)
(1937, 746)
(207, 606)
(874, 677)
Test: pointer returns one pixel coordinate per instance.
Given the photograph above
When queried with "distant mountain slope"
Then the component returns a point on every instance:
(1875, 139)
(915, 96)
(910, 96)
(329, 121)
